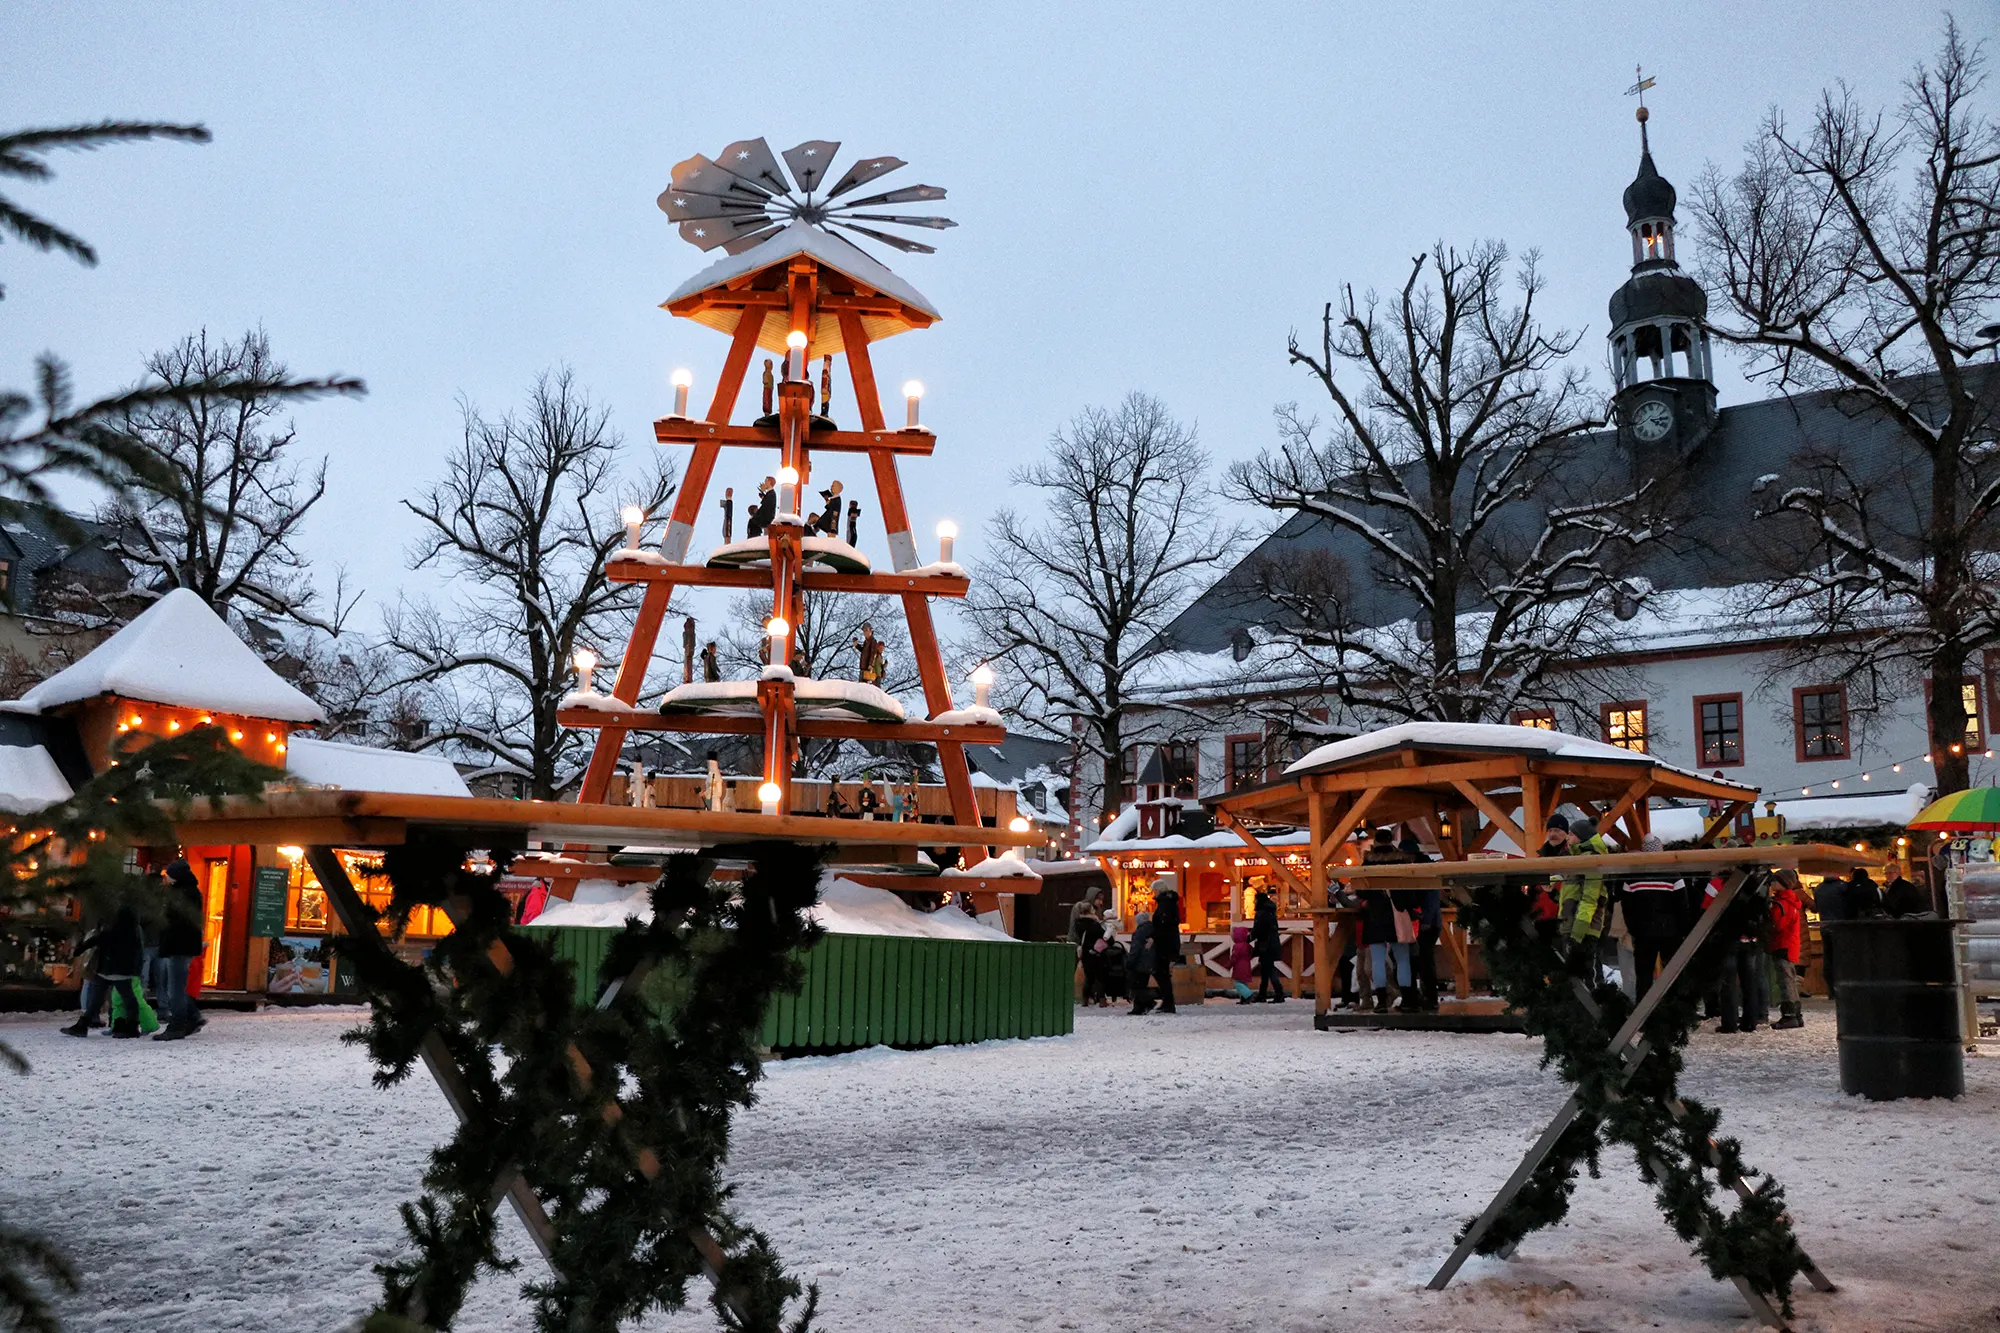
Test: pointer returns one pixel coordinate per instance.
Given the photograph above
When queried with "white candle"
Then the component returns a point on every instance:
(586, 663)
(788, 490)
(683, 380)
(634, 517)
(913, 393)
(982, 685)
(795, 356)
(768, 797)
(947, 533)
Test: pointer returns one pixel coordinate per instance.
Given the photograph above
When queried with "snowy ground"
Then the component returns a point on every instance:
(1224, 1168)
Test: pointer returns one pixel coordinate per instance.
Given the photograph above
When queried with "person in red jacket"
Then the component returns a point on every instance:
(1788, 920)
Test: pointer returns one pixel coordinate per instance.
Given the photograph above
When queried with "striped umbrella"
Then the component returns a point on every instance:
(1976, 810)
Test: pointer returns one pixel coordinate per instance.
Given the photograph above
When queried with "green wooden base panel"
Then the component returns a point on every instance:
(887, 990)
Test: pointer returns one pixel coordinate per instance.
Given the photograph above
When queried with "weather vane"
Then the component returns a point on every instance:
(1638, 90)
(742, 196)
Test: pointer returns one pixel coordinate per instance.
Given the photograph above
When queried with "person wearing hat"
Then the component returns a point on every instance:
(1583, 907)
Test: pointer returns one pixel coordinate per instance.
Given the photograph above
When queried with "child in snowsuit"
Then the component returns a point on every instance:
(1239, 964)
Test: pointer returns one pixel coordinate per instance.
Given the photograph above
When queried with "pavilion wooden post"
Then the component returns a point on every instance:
(1316, 898)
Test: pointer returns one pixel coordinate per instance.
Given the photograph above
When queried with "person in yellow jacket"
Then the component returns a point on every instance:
(1584, 906)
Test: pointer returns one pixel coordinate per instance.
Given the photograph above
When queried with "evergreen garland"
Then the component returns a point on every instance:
(669, 1060)
(1540, 979)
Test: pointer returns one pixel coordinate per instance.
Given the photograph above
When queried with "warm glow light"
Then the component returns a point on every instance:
(947, 528)
(281, 747)
(770, 793)
(270, 736)
(777, 627)
(1836, 784)
(235, 735)
(788, 476)
(1805, 791)
(982, 674)
(132, 721)
(1858, 847)
(683, 379)
(1019, 824)
(124, 726)
(1895, 768)
(290, 852)
(795, 339)
(913, 388)
(634, 514)
(586, 661)
(1954, 747)
(1864, 777)
(174, 725)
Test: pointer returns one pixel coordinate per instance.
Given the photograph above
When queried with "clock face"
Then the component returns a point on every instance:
(1652, 420)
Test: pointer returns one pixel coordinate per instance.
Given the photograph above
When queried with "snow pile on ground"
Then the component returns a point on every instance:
(1224, 1169)
(844, 908)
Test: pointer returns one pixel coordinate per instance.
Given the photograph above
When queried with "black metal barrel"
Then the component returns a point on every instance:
(1895, 1000)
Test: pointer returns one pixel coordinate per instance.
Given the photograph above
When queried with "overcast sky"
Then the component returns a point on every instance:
(445, 200)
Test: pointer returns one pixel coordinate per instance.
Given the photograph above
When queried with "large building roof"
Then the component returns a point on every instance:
(1753, 451)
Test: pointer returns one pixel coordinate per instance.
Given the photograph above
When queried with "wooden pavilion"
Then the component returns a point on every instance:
(1471, 790)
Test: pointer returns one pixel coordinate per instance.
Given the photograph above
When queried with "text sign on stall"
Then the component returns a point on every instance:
(267, 901)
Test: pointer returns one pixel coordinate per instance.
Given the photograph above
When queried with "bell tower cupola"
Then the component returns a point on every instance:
(1660, 359)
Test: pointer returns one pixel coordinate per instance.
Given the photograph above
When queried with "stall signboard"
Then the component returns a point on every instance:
(301, 965)
(267, 901)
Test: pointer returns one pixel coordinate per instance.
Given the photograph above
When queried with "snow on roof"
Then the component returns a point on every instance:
(364, 768)
(29, 779)
(177, 652)
(1117, 837)
(1684, 823)
(844, 908)
(1494, 736)
(803, 238)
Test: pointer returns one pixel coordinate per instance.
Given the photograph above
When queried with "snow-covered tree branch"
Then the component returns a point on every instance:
(1450, 459)
(524, 520)
(1070, 607)
(1861, 255)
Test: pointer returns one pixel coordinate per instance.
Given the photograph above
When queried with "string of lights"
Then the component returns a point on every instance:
(1847, 783)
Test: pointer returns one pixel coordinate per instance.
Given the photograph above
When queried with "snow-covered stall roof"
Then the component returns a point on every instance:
(1485, 737)
(802, 238)
(177, 652)
(844, 908)
(29, 779)
(364, 768)
(1117, 837)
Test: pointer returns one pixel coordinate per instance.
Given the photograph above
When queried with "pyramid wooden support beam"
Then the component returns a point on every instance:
(798, 291)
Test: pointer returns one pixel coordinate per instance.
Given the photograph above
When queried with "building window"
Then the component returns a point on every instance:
(1624, 725)
(1975, 724)
(1820, 713)
(1180, 769)
(1244, 762)
(1542, 719)
(1719, 723)
(6, 577)
(1128, 780)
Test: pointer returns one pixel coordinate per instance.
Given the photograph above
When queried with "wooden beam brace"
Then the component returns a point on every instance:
(702, 435)
(1355, 813)
(1271, 859)
(811, 579)
(1488, 807)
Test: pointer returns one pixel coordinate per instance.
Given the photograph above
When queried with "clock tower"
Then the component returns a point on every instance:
(1665, 399)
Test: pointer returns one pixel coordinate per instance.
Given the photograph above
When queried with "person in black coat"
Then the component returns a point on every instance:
(180, 945)
(119, 953)
(1902, 897)
(1139, 964)
(1265, 943)
(1090, 953)
(1166, 944)
(1863, 897)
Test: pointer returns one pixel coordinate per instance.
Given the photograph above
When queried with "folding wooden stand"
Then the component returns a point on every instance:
(796, 293)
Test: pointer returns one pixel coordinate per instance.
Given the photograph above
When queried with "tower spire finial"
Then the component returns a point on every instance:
(1638, 89)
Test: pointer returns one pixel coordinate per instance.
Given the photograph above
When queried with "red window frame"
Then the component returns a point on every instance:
(1701, 730)
(1238, 776)
(1544, 718)
(1627, 706)
(1975, 735)
(1799, 694)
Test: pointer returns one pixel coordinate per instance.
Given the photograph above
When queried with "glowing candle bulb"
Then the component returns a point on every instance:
(768, 797)
(683, 381)
(913, 394)
(795, 356)
(788, 490)
(634, 518)
(777, 627)
(947, 534)
(586, 663)
(982, 685)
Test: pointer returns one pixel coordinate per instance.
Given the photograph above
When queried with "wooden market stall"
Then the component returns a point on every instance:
(1469, 790)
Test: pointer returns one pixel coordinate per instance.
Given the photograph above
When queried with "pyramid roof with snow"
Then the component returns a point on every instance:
(718, 295)
(179, 652)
